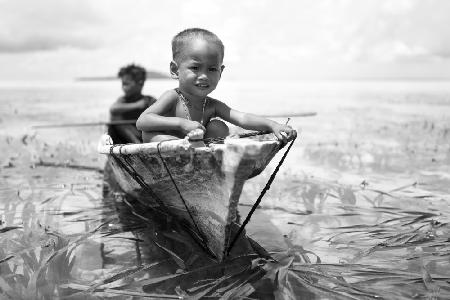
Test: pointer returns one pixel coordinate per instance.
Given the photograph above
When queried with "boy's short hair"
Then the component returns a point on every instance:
(191, 34)
(136, 72)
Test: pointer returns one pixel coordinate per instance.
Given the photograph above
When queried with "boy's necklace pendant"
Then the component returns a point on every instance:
(186, 105)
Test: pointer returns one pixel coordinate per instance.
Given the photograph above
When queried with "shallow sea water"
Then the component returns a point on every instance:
(359, 210)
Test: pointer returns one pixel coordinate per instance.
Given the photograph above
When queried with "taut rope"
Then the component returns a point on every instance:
(199, 232)
(127, 166)
(132, 172)
(220, 140)
(263, 192)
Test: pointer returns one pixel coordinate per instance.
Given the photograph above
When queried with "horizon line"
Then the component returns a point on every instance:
(111, 78)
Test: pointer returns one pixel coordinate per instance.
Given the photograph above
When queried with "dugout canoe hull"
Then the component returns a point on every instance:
(209, 178)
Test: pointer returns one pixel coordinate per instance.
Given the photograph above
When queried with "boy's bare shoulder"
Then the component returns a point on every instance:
(169, 95)
(215, 102)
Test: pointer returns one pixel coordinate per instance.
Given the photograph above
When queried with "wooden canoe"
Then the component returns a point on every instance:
(200, 186)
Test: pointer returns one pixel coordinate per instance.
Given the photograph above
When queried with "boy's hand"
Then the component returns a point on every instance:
(188, 125)
(195, 134)
(284, 133)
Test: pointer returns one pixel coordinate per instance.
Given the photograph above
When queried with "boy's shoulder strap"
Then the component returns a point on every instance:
(181, 96)
(177, 90)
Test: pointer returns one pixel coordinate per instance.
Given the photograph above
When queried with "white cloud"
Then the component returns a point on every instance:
(47, 25)
(397, 6)
(84, 37)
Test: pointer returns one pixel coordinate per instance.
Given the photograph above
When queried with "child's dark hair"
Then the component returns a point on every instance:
(136, 72)
(190, 34)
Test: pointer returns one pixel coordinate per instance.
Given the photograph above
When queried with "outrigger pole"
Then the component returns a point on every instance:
(120, 122)
(128, 122)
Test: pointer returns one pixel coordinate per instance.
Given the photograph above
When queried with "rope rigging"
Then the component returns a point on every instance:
(135, 175)
(220, 140)
(128, 167)
(199, 232)
(256, 204)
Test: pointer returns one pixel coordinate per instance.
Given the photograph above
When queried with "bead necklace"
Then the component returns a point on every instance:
(186, 103)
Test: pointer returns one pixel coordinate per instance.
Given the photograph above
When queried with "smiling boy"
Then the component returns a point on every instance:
(197, 64)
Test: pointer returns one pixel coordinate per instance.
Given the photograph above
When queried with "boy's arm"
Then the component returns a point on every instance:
(154, 118)
(253, 122)
(120, 106)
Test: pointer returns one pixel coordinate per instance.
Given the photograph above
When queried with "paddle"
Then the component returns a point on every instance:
(126, 122)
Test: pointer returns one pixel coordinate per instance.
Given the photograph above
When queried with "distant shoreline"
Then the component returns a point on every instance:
(150, 75)
(368, 79)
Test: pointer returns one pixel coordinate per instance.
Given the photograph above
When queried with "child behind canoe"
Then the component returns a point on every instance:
(197, 64)
(130, 105)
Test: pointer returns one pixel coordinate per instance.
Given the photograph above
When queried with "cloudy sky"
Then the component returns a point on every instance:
(264, 39)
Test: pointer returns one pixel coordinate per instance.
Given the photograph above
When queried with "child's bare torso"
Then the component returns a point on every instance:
(201, 112)
(204, 112)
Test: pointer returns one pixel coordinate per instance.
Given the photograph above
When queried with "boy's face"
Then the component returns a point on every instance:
(199, 68)
(130, 87)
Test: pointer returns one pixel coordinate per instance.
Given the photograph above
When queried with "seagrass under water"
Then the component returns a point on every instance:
(361, 210)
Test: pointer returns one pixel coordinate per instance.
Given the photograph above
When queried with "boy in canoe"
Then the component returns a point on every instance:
(197, 64)
(130, 105)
